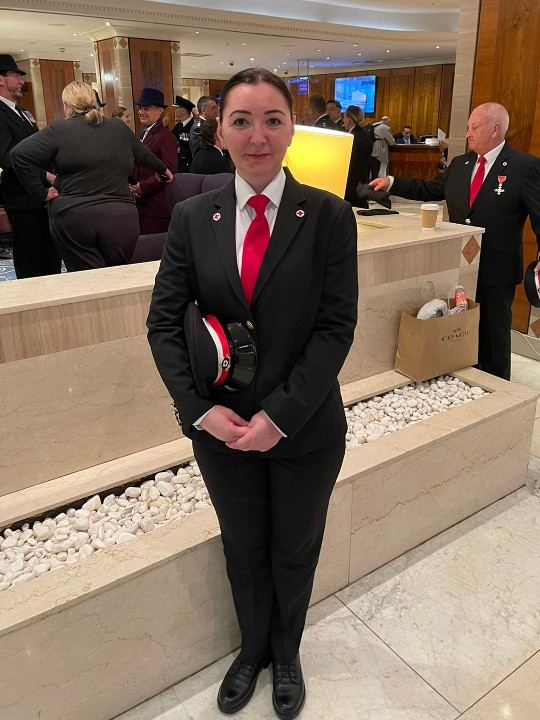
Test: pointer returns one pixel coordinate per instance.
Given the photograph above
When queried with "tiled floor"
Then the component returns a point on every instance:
(449, 630)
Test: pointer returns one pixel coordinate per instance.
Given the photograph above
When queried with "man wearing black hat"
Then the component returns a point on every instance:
(184, 122)
(33, 251)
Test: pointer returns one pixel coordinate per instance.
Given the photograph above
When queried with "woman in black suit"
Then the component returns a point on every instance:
(210, 159)
(269, 453)
(354, 121)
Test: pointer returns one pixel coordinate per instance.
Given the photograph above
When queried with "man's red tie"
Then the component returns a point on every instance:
(255, 244)
(477, 180)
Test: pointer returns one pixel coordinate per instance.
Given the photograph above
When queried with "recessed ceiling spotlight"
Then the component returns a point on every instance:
(74, 34)
(388, 51)
(108, 24)
(275, 69)
(197, 32)
(359, 54)
(252, 59)
(91, 54)
(355, 44)
(319, 50)
(437, 47)
(328, 58)
(244, 44)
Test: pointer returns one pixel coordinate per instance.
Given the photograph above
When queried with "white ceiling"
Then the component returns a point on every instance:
(28, 34)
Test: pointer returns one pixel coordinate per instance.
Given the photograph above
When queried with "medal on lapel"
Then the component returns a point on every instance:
(500, 180)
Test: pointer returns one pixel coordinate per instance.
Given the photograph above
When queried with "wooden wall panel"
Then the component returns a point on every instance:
(427, 94)
(445, 104)
(151, 66)
(55, 75)
(507, 70)
(107, 73)
(400, 105)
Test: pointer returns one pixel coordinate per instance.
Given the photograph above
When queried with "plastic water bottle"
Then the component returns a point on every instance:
(460, 297)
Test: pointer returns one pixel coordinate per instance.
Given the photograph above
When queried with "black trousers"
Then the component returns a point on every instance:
(374, 167)
(272, 514)
(494, 334)
(96, 236)
(34, 253)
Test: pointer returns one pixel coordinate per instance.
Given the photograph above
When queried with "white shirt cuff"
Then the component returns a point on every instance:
(391, 177)
(199, 421)
(274, 424)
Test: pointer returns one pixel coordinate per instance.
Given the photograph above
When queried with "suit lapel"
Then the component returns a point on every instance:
(289, 220)
(224, 226)
(14, 117)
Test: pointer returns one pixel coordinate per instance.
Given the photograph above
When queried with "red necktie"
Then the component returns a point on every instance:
(478, 179)
(255, 244)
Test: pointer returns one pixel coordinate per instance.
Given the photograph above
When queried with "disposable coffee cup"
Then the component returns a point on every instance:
(429, 213)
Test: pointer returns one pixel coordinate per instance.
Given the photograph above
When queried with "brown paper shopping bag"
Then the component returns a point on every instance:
(428, 348)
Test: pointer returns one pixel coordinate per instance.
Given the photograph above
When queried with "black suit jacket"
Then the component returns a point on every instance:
(359, 164)
(325, 121)
(303, 311)
(400, 140)
(181, 133)
(502, 215)
(13, 129)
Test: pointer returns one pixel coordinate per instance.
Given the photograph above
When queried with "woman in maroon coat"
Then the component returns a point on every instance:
(149, 192)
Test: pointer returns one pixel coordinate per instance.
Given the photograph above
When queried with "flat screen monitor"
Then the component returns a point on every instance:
(356, 91)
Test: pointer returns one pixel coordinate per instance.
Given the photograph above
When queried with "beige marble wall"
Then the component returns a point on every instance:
(176, 60)
(463, 78)
(70, 410)
(37, 89)
(90, 641)
(123, 89)
(391, 280)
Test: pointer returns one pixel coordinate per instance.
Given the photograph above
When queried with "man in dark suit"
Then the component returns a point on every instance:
(495, 187)
(34, 253)
(208, 110)
(183, 123)
(405, 137)
(315, 114)
(333, 110)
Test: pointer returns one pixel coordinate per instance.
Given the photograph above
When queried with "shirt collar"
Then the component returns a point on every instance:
(273, 191)
(9, 103)
(493, 154)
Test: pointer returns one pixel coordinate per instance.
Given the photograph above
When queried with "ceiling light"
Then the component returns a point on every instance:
(108, 24)
(197, 32)
(244, 44)
(319, 50)
(328, 58)
(287, 53)
(91, 54)
(437, 47)
(388, 51)
(275, 69)
(74, 34)
(221, 62)
(359, 54)
(252, 59)
(355, 45)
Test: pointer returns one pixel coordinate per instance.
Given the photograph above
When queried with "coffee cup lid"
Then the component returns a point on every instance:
(429, 206)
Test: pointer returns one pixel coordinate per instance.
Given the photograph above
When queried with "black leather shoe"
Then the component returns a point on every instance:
(289, 689)
(238, 685)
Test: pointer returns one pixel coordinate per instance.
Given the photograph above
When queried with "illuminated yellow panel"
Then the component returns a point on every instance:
(320, 158)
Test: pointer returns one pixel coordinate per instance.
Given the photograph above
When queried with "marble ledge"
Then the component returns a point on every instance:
(67, 489)
(63, 588)
(391, 232)
(66, 288)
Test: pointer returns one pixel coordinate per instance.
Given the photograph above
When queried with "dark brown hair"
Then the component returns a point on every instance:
(208, 133)
(254, 76)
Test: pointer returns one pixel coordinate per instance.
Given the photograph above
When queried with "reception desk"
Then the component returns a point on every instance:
(416, 161)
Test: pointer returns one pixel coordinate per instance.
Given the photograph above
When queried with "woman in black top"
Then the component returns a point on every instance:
(353, 120)
(92, 215)
(210, 159)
